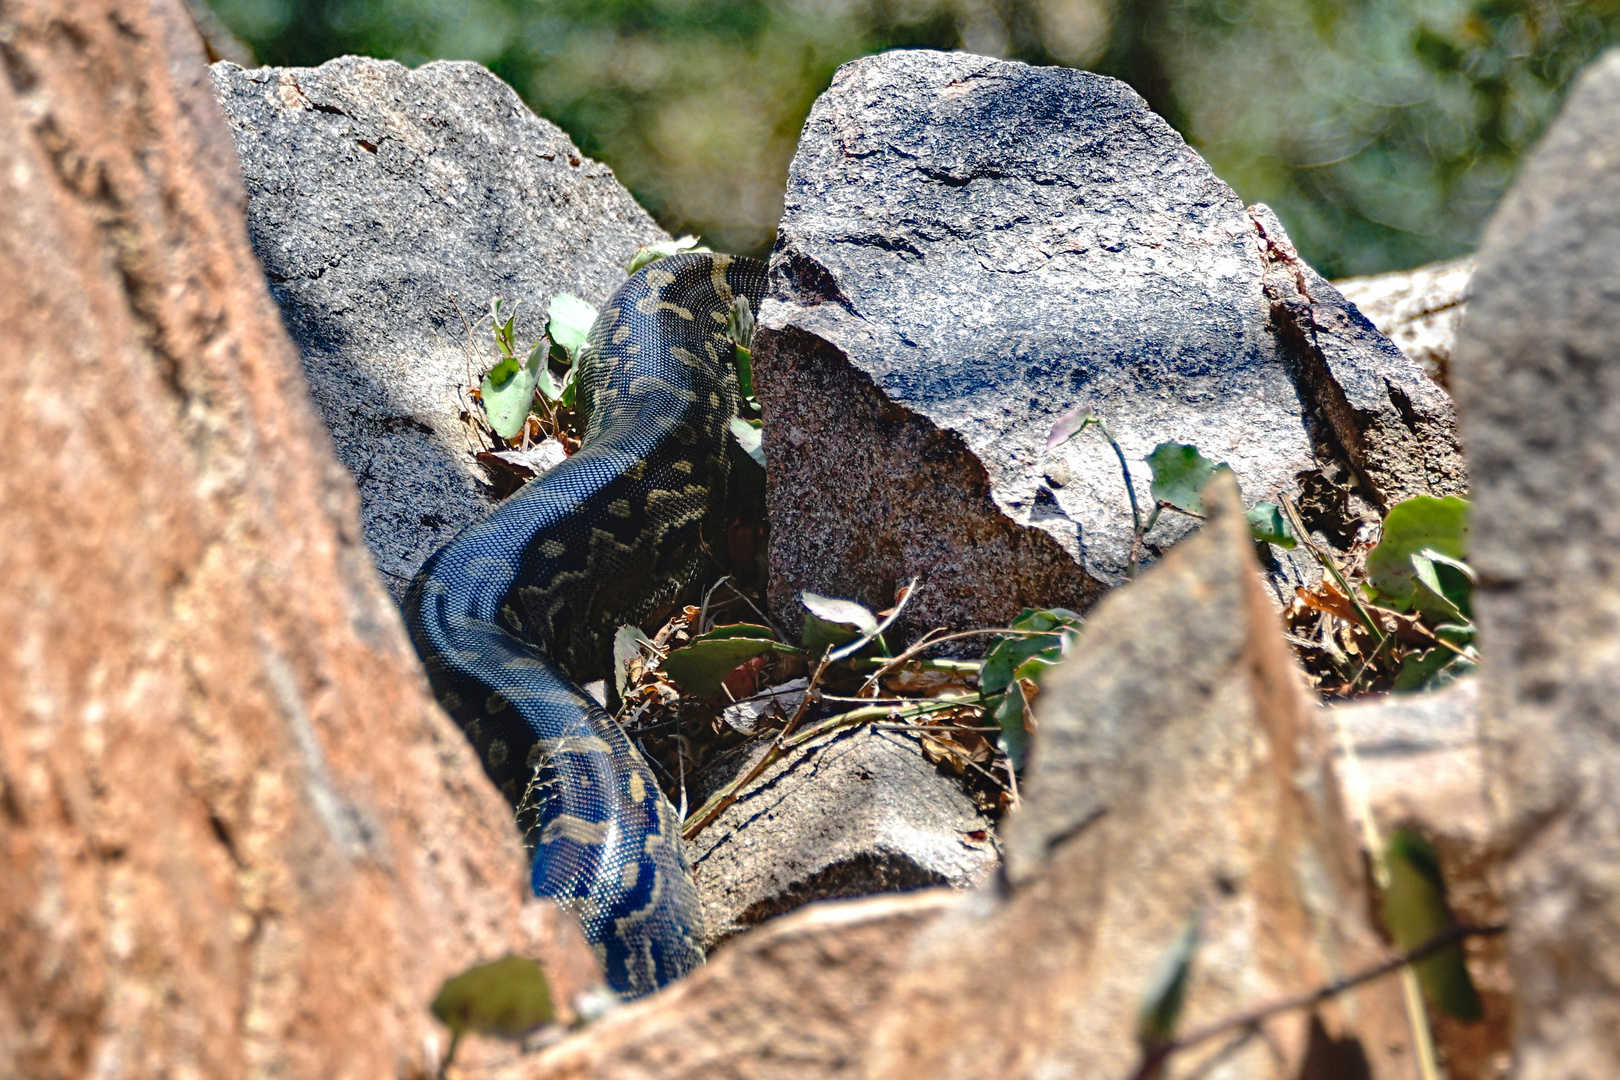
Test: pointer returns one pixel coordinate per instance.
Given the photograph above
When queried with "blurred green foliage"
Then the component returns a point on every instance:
(1382, 131)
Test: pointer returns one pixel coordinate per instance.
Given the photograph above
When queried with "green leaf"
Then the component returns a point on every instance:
(1430, 670)
(1001, 663)
(750, 437)
(745, 373)
(506, 399)
(1414, 911)
(1023, 656)
(508, 997)
(1421, 525)
(557, 389)
(1009, 714)
(702, 666)
(1429, 595)
(1160, 1011)
(1069, 425)
(819, 635)
(1445, 586)
(568, 324)
(1180, 473)
(628, 643)
(651, 253)
(1267, 523)
(503, 370)
(1459, 634)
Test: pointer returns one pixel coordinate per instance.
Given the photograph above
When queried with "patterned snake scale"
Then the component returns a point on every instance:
(505, 611)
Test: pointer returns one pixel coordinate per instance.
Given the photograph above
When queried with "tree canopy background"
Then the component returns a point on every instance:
(1381, 131)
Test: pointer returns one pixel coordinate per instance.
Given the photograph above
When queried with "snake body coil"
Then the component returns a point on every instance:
(505, 611)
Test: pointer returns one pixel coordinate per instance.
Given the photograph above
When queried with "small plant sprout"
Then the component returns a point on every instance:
(1180, 473)
(508, 388)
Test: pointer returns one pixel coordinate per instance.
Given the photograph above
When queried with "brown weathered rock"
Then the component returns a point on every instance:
(1174, 773)
(794, 1000)
(1537, 370)
(236, 836)
(1420, 310)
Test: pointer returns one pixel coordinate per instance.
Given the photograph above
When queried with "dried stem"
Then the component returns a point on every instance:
(1153, 1061)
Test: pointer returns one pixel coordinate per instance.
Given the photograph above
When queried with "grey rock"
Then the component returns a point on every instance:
(1419, 310)
(1399, 725)
(971, 248)
(858, 812)
(1537, 372)
(379, 199)
(1417, 761)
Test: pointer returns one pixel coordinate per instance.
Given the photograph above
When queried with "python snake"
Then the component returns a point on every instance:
(515, 603)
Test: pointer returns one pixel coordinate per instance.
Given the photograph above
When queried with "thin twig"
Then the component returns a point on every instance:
(879, 701)
(844, 652)
(1332, 567)
(881, 712)
(727, 795)
(930, 727)
(732, 585)
(703, 610)
(1155, 1059)
(680, 762)
(886, 666)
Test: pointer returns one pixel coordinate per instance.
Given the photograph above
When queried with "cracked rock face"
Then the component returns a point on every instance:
(970, 249)
(381, 199)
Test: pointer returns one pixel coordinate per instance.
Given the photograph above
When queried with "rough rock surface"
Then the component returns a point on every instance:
(1418, 757)
(1419, 764)
(1419, 310)
(1397, 428)
(1174, 772)
(379, 199)
(237, 838)
(795, 1000)
(971, 248)
(1537, 371)
(856, 813)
